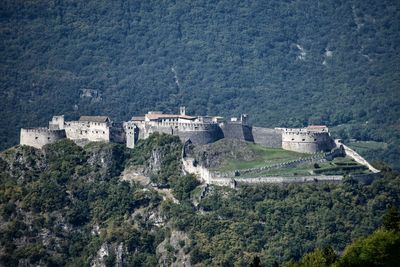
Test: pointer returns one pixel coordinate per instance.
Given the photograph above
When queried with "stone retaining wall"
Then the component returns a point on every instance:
(208, 177)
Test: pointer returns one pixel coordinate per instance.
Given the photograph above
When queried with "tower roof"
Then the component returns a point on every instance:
(94, 118)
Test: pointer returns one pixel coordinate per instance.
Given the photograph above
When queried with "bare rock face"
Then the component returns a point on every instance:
(22, 161)
(154, 164)
(106, 159)
(93, 95)
(212, 155)
(100, 157)
(173, 250)
(110, 254)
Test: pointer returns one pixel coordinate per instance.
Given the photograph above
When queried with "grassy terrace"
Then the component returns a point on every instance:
(263, 157)
(228, 156)
(339, 166)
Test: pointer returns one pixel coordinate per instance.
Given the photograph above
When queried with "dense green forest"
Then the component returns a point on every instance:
(381, 248)
(63, 204)
(286, 63)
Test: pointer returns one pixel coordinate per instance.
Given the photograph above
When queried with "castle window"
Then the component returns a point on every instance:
(86, 132)
(104, 132)
(97, 132)
(303, 140)
(315, 139)
(292, 139)
(48, 138)
(36, 138)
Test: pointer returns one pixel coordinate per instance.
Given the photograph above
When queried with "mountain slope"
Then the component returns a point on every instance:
(66, 205)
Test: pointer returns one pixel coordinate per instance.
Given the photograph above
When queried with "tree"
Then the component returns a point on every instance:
(391, 220)
(382, 248)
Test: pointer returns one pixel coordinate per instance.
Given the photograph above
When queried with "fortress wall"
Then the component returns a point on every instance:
(198, 133)
(149, 129)
(237, 131)
(267, 137)
(76, 130)
(199, 137)
(141, 130)
(325, 142)
(281, 179)
(357, 157)
(206, 176)
(306, 142)
(38, 137)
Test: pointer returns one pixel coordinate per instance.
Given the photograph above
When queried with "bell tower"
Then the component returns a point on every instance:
(182, 111)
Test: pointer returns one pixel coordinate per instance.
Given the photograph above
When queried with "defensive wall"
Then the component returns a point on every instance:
(357, 157)
(38, 137)
(237, 130)
(198, 133)
(304, 141)
(267, 137)
(209, 177)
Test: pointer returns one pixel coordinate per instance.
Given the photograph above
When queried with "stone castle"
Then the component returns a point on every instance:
(197, 129)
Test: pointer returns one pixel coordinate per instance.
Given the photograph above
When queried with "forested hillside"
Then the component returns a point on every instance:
(72, 206)
(286, 63)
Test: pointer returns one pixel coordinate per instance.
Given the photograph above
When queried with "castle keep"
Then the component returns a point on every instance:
(197, 129)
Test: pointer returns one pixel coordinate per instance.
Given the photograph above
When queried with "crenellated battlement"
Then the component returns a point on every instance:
(307, 140)
(38, 130)
(185, 126)
(38, 137)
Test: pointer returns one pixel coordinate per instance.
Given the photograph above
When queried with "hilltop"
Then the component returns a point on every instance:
(290, 63)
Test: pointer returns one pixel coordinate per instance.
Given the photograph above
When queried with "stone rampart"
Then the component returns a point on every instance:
(306, 142)
(38, 137)
(198, 133)
(315, 158)
(199, 137)
(267, 137)
(209, 177)
(291, 180)
(357, 157)
(237, 131)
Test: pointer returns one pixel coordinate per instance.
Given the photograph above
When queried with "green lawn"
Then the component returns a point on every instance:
(303, 170)
(270, 156)
(339, 166)
(265, 156)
